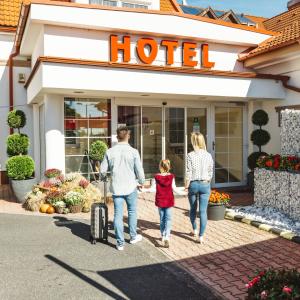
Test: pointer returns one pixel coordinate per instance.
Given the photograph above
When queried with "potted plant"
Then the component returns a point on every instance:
(274, 284)
(97, 152)
(60, 207)
(259, 137)
(19, 166)
(74, 201)
(217, 205)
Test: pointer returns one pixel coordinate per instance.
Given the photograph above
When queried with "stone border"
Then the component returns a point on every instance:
(288, 235)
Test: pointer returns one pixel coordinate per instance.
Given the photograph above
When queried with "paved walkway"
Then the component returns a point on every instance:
(232, 251)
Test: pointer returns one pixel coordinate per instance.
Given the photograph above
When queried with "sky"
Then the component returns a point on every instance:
(263, 8)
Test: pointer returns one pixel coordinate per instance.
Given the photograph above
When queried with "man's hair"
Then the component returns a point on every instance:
(122, 133)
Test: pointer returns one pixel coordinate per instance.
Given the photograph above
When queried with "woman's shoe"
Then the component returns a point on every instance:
(166, 243)
(200, 240)
(194, 233)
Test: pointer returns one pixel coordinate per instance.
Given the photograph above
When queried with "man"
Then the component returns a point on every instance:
(125, 166)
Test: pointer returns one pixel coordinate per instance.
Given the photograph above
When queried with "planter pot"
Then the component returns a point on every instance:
(22, 187)
(75, 209)
(216, 212)
(59, 210)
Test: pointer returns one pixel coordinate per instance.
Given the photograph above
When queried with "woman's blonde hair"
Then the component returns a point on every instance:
(164, 166)
(198, 141)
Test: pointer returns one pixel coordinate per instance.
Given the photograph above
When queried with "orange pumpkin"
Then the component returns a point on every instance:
(50, 210)
(44, 208)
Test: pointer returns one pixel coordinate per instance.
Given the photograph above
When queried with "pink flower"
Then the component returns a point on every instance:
(287, 290)
(263, 295)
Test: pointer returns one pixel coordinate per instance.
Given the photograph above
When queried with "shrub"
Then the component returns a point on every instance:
(260, 118)
(16, 119)
(260, 137)
(97, 150)
(17, 144)
(274, 284)
(253, 157)
(20, 167)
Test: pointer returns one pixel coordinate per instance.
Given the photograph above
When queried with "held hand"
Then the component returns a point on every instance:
(140, 187)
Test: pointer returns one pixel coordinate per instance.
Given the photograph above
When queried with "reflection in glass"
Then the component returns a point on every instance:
(175, 141)
(152, 139)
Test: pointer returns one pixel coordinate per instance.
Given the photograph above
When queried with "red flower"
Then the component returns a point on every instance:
(287, 290)
(269, 163)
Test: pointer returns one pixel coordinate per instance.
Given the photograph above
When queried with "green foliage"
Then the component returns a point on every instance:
(252, 159)
(260, 137)
(73, 198)
(16, 119)
(20, 167)
(274, 284)
(17, 144)
(260, 118)
(97, 151)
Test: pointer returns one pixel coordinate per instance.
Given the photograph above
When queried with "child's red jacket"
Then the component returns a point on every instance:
(164, 192)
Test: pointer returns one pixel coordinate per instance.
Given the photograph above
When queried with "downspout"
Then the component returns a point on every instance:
(11, 79)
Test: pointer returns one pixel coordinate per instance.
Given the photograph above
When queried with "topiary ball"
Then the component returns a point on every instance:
(16, 119)
(17, 144)
(253, 157)
(97, 150)
(260, 118)
(20, 167)
(260, 137)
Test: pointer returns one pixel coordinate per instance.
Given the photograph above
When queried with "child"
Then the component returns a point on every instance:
(164, 198)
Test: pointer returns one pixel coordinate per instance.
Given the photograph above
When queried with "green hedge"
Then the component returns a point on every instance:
(17, 144)
(16, 119)
(97, 150)
(20, 167)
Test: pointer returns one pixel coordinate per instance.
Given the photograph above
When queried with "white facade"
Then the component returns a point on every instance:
(69, 48)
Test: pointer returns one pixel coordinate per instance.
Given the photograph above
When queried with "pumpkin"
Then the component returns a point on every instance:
(50, 210)
(44, 207)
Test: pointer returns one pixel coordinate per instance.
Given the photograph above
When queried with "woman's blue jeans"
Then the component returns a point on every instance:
(131, 201)
(199, 191)
(165, 215)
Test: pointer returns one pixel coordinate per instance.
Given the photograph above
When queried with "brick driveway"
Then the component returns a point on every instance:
(232, 251)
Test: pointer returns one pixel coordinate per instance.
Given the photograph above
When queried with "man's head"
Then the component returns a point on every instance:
(123, 134)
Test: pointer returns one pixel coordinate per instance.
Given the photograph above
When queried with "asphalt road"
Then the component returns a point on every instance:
(48, 258)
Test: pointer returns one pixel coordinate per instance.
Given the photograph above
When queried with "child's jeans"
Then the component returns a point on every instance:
(165, 215)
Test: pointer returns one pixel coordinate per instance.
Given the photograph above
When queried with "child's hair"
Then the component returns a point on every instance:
(198, 141)
(164, 166)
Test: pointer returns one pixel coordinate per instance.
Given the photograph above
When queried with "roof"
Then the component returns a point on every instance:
(169, 5)
(9, 12)
(220, 14)
(288, 26)
(259, 21)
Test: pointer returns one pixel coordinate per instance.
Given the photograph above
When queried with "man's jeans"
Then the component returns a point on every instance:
(165, 215)
(131, 201)
(199, 191)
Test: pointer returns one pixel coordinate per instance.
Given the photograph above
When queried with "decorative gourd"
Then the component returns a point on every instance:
(50, 210)
(44, 208)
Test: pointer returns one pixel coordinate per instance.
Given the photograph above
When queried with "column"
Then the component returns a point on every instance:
(54, 132)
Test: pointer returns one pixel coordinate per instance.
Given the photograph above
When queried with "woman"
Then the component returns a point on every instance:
(199, 172)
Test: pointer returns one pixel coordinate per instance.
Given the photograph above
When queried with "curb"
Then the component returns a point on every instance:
(288, 235)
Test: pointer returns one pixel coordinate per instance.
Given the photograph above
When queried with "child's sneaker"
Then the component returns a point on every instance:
(166, 243)
(137, 239)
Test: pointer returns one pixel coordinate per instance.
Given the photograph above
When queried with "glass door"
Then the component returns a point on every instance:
(174, 141)
(151, 139)
(228, 145)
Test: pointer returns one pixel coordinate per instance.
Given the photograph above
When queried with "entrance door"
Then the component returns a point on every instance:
(228, 146)
(151, 139)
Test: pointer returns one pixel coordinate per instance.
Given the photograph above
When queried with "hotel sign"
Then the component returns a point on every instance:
(189, 51)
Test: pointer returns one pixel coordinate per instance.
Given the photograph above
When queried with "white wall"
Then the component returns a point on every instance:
(20, 96)
(95, 45)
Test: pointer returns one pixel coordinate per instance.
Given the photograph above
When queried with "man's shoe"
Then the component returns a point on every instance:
(120, 248)
(137, 239)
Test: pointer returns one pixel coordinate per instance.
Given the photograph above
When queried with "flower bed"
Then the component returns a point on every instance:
(274, 284)
(64, 193)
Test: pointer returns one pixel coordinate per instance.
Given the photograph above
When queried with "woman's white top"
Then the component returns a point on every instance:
(199, 165)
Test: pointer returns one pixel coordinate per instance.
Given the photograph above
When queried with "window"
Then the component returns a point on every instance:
(85, 121)
(134, 5)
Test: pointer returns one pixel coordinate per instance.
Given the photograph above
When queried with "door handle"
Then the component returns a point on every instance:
(213, 145)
